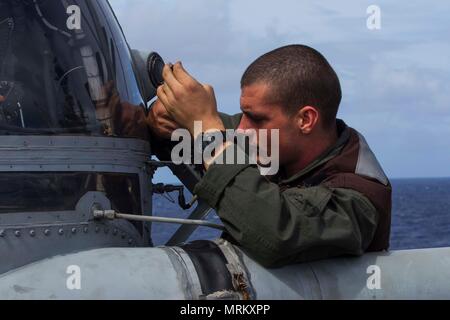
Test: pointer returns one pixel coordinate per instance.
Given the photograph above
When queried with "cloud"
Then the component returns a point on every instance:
(395, 80)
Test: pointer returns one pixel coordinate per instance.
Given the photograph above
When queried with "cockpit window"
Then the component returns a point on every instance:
(61, 191)
(60, 72)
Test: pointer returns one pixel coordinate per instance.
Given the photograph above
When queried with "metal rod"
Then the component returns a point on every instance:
(185, 231)
(21, 114)
(114, 215)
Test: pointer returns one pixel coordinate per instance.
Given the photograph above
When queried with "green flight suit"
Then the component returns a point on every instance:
(276, 225)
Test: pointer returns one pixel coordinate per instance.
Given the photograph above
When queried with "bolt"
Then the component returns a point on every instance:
(17, 233)
(85, 230)
(130, 241)
(74, 230)
(61, 232)
(32, 233)
(2, 233)
(97, 229)
(47, 232)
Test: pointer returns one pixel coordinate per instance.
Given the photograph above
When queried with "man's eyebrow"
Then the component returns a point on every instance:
(253, 115)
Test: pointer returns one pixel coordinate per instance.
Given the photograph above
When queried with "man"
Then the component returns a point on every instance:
(330, 197)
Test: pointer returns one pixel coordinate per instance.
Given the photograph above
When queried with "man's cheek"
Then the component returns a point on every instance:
(286, 147)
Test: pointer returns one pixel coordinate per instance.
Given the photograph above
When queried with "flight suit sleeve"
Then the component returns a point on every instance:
(279, 227)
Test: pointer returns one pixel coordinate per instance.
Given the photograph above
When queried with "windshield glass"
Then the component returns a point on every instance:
(63, 72)
(61, 191)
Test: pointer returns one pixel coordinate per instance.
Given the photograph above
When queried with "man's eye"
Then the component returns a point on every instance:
(258, 119)
(255, 118)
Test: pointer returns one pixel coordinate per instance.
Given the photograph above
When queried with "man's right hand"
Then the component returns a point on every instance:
(160, 122)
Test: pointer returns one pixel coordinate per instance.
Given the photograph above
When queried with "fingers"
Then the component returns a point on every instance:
(168, 125)
(162, 96)
(187, 100)
(167, 90)
(182, 75)
(169, 94)
(161, 125)
(159, 111)
(170, 79)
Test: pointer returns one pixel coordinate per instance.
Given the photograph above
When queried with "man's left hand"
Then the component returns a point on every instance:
(187, 100)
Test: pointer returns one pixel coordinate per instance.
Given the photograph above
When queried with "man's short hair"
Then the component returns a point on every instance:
(299, 76)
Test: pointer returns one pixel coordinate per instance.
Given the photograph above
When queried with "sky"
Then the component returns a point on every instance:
(395, 79)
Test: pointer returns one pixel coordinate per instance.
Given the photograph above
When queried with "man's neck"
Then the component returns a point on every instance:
(314, 149)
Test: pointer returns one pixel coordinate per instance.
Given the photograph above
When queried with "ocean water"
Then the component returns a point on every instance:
(420, 215)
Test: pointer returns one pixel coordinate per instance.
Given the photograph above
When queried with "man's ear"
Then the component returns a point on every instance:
(307, 119)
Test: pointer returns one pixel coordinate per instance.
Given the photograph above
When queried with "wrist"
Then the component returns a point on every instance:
(209, 162)
(207, 125)
(210, 144)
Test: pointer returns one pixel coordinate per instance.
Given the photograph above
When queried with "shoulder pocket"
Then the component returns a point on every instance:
(310, 201)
